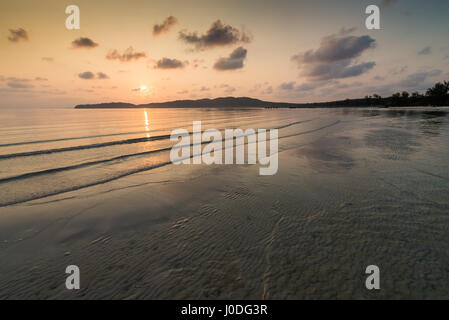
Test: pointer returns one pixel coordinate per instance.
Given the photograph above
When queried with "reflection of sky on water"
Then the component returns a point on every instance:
(147, 123)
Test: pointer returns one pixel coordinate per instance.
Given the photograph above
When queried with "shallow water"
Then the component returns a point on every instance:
(95, 188)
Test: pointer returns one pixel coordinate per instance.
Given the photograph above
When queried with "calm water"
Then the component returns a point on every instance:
(46, 152)
(354, 187)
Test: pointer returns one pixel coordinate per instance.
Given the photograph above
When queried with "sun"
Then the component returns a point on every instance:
(143, 88)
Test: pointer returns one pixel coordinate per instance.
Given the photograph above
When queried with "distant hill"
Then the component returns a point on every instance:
(227, 102)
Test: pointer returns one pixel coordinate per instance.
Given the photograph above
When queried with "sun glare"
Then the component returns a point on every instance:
(143, 88)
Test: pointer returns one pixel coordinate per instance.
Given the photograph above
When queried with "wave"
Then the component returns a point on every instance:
(74, 188)
(70, 138)
(81, 165)
(97, 145)
(124, 174)
(125, 156)
(83, 147)
(12, 144)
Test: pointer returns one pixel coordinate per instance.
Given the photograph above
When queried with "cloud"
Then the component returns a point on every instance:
(418, 79)
(233, 62)
(90, 75)
(227, 88)
(337, 70)
(345, 31)
(164, 26)
(230, 90)
(415, 81)
(262, 88)
(379, 78)
(86, 75)
(335, 58)
(333, 48)
(101, 75)
(218, 34)
(386, 3)
(268, 90)
(337, 85)
(325, 89)
(2, 78)
(427, 50)
(48, 59)
(307, 86)
(19, 85)
(398, 70)
(166, 63)
(128, 55)
(84, 43)
(17, 35)
(197, 62)
(28, 85)
(30, 92)
(287, 85)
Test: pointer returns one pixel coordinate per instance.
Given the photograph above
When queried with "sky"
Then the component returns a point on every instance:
(276, 50)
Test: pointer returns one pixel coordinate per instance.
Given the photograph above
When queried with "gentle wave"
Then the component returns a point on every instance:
(83, 147)
(71, 138)
(99, 145)
(213, 120)
(125, 156)
(124, 174)
(80, 165)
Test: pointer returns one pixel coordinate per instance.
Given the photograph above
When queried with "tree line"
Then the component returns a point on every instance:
(438, 95)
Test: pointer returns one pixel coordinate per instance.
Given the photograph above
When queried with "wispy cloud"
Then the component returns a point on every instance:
(128, 55)
(416, 80)
(287, 85)
(427, 50)
(88, 75)
(101, 75)
(19, 85)
(345, 31)
(165, 26)
(292, 86)
(16, 35)
(227, 88)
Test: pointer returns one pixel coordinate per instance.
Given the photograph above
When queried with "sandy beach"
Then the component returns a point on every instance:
(354, 188)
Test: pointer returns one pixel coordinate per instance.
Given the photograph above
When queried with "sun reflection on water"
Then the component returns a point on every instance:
(147, 123)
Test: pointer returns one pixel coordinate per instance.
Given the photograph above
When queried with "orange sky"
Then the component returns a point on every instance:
(44, 70)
